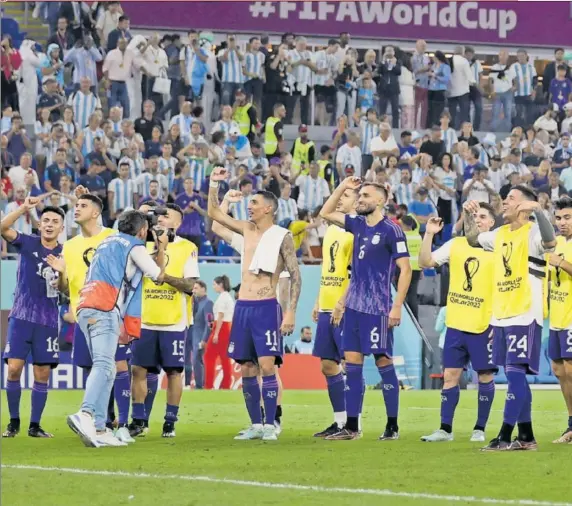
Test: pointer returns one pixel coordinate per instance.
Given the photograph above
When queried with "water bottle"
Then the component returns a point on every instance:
(51, 284)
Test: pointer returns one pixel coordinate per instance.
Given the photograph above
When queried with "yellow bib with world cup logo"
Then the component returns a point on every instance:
(512, 294)
(470, 297)
(163, 304)
(337, 255)
(560, 288)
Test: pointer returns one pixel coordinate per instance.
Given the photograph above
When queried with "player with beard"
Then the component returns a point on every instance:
(329, 308)
(73, 266)
(469, 312)
(560, 296)
(519, 249)
(379, 247)
(257, 326)
(33, 320)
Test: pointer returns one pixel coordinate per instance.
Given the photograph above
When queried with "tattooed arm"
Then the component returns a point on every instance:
(214, 210)
(184, 285)
(470, 208)
(288, 253)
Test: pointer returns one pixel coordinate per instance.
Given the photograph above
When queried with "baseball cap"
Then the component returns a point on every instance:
(234, 131)
(303, 128)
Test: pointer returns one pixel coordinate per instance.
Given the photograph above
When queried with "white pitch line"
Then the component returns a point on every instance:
(291, 486)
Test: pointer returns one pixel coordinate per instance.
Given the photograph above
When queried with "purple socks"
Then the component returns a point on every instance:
(449, 401)
(13, 394)
(486, 398)
(39, 398)
(152, 385)
(390, 390)
(518, 394)
(336, 387)
(122, 392)
(251, 393)
(269, 398)
(171, 413)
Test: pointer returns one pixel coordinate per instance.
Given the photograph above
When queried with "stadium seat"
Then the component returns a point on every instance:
(224, 250)
(206, 249)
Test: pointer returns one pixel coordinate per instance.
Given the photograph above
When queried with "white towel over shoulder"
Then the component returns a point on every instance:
(265, 257)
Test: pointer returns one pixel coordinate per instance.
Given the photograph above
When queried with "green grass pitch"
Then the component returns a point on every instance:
(203, 465)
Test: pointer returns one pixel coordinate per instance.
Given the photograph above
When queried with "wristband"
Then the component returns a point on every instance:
(214, 184)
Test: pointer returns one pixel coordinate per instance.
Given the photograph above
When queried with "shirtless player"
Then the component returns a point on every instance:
(257, 326)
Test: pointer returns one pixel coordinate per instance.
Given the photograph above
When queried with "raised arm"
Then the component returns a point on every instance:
(434, 226)
(328, 211)
(8, 221)
(224, 233)
(214, 210)
(288, 253)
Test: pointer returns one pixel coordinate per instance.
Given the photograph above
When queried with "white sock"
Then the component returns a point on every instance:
(359, 422)
(340, 418)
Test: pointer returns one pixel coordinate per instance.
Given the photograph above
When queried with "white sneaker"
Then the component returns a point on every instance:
(253, 432)
(123, 435)
(438, 435)
(108, 439)
(83, 425)
(478, 436)
(278, 428)
(269, 433)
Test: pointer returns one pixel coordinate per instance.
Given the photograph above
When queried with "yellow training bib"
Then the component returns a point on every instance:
(560, 291)
(512, 292)
(337, 255)
(163, 304)
(77, 253)
(413, 246)
(470, 298)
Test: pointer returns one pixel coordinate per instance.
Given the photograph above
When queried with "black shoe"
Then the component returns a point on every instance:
(13, 429)
(389, 434)
(37, 431)
(136, 428)
(520, 445)
(330, 431)
(496, 445)
(168, 429)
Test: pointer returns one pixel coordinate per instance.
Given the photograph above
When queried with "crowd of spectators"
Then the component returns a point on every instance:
(135, 119)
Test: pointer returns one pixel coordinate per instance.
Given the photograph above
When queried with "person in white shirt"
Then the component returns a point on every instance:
(217, 344)
(349, 154)
(327, 67)
(29, 220)
(17, 173)
(225, 123)
(121, 192)
(254, 73)
(525, 78)
(475, 94)
(514, 164)
(314, 190)
(107, 20)
(287, 207)
(300, 78)
(407, 95)
(232, 77)
(384, 144)
(566, 126)
(156, 63)
(479, 188)
(501, 79)
(459, 97)
(304, 345)
(117, 68)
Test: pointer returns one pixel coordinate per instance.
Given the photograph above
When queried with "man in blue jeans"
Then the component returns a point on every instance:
(110, 305)
(198, 334)
(501, 78)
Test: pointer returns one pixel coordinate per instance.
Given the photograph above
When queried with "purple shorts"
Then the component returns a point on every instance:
(328, 342)
(24, 338)
(255, 331)
(560, 344)
(81, 357)
(157, 348)
(518, 345)
(463, 347)
(368, 334)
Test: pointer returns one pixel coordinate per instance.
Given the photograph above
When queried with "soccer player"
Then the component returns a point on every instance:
(469, 312)
(519, 248)
(236, 241)
(337, 255)
(165, 316)
(560, 282)
(370, 315)
(77, 254)
(33, 321)
(257, 329)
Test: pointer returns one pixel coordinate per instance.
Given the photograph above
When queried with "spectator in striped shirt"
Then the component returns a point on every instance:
(143, 181)
(448, 134)
(167, 164)
(254, 73)
(121, 192)
(369, 128)
(225, 123)
(404, 192)
(192, 60)
(300, 77)
(86, 138)
(475, 94)
(232, 76)
(525, 79)
(314, 190)
(287, 207)
(154, 192)
(84, 102)
(239, 210)
(84, 57)
(326, 63)
(257, 164)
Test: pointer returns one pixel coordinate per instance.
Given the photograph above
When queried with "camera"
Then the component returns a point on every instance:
(153, 220)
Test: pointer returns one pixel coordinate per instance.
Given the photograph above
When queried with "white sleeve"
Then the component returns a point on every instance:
(237, 243)
(487, 239)
(144, 262)
(341, 154)
(442, 255)
(191, 269)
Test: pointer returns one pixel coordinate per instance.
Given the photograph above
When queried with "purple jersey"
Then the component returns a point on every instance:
(373, 263)
(31, 301)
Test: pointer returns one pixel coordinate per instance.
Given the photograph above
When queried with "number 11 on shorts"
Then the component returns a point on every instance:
(272, 340)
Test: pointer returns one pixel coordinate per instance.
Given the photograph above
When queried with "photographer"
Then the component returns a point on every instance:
(109, 301)
(166, 315)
